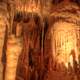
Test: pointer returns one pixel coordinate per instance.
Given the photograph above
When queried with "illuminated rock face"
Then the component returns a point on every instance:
(30, 6)
(64, 43)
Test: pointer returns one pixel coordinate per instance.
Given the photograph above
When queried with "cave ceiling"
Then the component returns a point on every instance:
(42, 7)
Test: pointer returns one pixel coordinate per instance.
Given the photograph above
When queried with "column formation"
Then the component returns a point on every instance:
(14, 48)
(2, 37)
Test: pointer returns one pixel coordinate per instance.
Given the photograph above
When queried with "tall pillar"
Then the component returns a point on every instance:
(14, 48)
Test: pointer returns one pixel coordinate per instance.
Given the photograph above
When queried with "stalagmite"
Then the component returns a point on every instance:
(14, 48)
